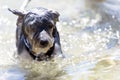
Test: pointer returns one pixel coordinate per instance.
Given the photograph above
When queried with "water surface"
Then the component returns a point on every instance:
(90, 39)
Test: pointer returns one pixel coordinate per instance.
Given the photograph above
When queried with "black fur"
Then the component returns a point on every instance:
(39, 18)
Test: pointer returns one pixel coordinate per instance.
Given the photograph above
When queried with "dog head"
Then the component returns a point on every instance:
(38, 26)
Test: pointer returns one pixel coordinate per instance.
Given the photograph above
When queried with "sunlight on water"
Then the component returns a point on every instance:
(43, 70)
(90, 41)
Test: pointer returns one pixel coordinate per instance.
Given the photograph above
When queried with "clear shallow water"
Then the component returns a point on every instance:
(89, 38)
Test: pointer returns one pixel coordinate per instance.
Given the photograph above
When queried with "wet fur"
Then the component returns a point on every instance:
(24, 50)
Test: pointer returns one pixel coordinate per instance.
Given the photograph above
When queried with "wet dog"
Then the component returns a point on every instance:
(37, 36)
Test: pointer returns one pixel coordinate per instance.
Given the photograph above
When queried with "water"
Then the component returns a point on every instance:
(90, 38)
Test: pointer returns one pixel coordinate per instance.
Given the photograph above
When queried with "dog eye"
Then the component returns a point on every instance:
(50, 26)
(32, 28)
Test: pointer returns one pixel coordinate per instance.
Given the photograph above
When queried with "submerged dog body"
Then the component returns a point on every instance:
(36, 34)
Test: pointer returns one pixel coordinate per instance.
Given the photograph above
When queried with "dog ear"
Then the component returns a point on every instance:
(16, 12)
(55, 15)
(20, 15)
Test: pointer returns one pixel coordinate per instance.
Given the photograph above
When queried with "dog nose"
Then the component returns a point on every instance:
(44, 42)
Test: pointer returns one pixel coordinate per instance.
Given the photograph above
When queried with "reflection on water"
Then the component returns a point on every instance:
(89, 37)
